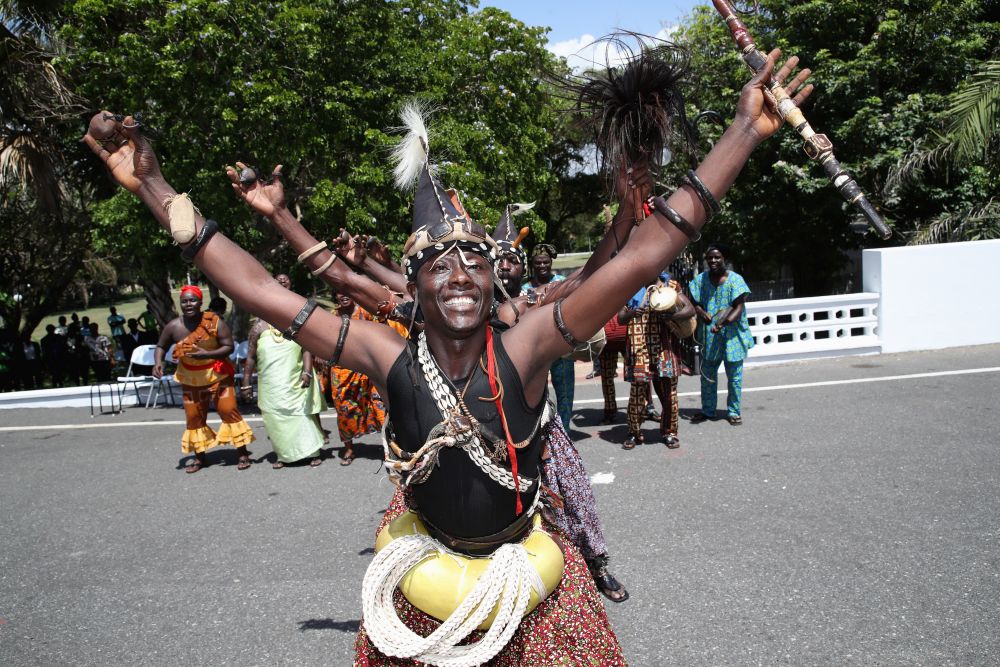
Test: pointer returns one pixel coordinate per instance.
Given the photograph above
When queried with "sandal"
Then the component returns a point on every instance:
(672, 441)
(277, 465)
(699, 418)
(606, 583)
(195, 465)
(346, 459)
(316, 462)
(735, 420)
(652, 415)
(244, 462)
(632, 441)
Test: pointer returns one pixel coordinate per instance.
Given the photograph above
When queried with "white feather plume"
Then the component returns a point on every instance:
(518, 209)
(410, 154)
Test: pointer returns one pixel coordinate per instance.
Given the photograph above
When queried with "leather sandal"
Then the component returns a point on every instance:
(606, 583)
(671, 441)
(631, 441)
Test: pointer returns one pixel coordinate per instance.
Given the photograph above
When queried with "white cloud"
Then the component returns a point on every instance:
(585, 51)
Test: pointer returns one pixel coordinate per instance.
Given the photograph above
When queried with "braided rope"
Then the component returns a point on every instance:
(509, 579)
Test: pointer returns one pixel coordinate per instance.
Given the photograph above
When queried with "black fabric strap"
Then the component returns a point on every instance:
(661, 207)
(561, 325)
(708, 200)
(207, 231)
(293, 329)
(345, 324)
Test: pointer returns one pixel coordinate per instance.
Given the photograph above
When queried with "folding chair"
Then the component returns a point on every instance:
(238, 356)
(165, 380)
(144, 355)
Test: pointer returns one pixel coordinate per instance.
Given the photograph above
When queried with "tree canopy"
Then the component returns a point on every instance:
(316, 86)
(884, 73)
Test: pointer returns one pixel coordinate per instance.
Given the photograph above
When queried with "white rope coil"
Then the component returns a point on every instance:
(509, 579)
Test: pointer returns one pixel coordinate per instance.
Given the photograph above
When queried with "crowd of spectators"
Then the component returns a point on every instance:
(72, 352)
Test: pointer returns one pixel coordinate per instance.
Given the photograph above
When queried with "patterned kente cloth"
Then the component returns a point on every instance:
(564, 474)
(360, 410)
(570, 627)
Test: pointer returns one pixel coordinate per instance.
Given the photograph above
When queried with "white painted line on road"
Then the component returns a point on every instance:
(602, 478)
(804, 385)
(60, 427)
(830, 383)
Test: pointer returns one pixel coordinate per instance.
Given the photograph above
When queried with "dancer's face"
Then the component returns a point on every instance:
(190, 304)
(511, 273)
(455, 295)
(284, 281)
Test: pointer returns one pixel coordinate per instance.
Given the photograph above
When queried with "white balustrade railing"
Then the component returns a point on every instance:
(814, 327)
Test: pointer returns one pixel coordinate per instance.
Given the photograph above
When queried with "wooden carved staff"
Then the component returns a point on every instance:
(817, 146)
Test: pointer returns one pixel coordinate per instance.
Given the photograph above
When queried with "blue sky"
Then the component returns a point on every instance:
(576, 23)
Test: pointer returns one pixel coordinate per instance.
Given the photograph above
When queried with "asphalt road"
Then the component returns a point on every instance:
(847, 522)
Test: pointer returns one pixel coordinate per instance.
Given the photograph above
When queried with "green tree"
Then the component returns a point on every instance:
(314, 86)
(969, 141)
(44, 187)
(883, 73)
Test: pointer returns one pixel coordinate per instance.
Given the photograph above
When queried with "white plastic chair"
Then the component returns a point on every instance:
(165, 380)
(143, 355)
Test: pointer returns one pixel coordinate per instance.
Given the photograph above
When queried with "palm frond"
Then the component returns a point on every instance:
(23, 163)
(973, 126)
(976, 224)
(975, 112)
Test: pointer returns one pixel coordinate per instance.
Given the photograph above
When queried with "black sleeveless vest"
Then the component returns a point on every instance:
(459, 498)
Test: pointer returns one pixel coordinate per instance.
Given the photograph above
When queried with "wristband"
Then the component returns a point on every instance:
(208, 230)
(660, 205)
(309, 252)
(293, 329)
(708, 200)
(326, 265)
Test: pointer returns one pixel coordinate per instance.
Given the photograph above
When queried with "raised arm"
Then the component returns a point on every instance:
(654, 243)
(130, 157)
(268, 199)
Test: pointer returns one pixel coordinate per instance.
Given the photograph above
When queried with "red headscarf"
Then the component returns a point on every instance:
(194, 289)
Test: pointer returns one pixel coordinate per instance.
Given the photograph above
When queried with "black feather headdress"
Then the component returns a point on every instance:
(635, 109)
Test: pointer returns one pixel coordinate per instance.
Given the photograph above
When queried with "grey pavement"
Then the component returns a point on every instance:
(846, 522)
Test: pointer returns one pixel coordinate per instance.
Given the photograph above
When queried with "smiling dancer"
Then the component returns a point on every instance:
(466, 401)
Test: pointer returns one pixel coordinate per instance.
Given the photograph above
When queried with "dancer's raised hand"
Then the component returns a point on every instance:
(349, 248)
(123, 148)
(754, 111)
(264, 197)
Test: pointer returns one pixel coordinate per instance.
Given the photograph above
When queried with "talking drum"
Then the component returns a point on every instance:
(663, 299)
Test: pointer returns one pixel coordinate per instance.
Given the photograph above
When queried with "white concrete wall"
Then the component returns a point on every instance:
(935, 296)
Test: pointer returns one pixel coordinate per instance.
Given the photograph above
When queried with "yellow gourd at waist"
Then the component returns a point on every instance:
(438, 584)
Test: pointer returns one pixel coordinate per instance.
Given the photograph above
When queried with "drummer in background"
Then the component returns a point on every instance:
(653, 356)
